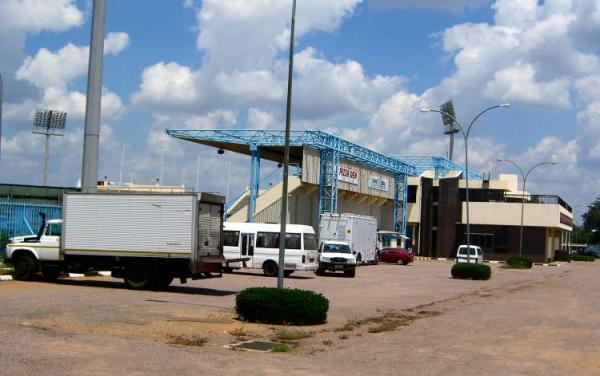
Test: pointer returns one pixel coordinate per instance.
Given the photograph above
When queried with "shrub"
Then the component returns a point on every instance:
(471, 271)
(519, 262)
(583, 258)
(281, 306)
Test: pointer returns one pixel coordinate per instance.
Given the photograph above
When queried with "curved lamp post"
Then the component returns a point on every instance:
(466, 137)
(524, 176)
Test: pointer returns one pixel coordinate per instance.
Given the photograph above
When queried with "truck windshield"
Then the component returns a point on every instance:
(53, 230)
(336, 248)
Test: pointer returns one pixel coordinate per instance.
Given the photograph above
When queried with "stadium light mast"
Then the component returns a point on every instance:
(465, 134)
(48, 123)
(286, 155)
(449, 124)
(91, 140)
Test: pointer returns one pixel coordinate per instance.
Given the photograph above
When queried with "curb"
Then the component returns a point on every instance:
(6, 278)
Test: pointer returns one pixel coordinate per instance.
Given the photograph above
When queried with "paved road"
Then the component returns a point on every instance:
(539, 321)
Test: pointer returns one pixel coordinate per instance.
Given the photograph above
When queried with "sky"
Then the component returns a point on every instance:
(362, 70)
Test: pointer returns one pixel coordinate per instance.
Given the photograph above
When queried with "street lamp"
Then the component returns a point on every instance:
(524, 176)
(466, 137)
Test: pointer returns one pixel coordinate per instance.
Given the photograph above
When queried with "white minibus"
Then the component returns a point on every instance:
(256, 245)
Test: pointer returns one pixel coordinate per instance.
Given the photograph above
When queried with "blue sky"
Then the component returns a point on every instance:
(363, 69)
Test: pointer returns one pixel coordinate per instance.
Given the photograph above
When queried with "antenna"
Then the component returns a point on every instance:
(48, 123)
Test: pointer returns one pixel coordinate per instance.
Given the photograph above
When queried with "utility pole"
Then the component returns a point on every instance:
(91, 141)
(286, 156)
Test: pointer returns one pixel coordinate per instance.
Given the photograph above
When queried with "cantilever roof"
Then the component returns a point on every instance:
(271, 144)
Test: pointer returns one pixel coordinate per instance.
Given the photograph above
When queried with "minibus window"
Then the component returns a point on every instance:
(231, 238)
(310, 242)
(292, 241)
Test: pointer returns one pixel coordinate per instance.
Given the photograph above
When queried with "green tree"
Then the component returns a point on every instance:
(591, 221)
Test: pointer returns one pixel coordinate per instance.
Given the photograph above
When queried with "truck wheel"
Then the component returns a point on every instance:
(350, 273)
(287, 273)
(270, 268)
(320, 271)
(163, 281)
(50, 272)
(138, 275)
(25, 267)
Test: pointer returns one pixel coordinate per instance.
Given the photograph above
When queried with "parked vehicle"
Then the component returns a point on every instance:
(146, 239)
(396, 255)
(336, 256)
(475, 255)
(359, 231)
(256, 245)
(391, 239)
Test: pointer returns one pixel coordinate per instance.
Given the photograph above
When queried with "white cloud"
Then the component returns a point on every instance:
(250, 86)
(167, 86)
(49, 69)
(33, 16)
(258, 119)
(518, 83)
(114, 43)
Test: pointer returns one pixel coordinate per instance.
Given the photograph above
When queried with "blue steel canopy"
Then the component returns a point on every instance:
(314, 139)
(437, 164)
(239, 140)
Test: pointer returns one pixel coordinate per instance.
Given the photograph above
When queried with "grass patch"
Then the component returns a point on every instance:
(186, 340)
(393, 320)
(583, 258)
(241, 334)
(519, 263)
(285, 334)
(281, 348)
(349, 326)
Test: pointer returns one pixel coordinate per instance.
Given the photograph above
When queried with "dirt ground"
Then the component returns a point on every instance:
(390, 319)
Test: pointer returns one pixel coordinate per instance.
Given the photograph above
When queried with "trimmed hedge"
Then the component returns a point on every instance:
(471, 271)
(281, 306)
(519, 262)
(583, 258)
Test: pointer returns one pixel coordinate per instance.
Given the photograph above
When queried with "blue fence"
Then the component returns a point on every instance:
(21, 218)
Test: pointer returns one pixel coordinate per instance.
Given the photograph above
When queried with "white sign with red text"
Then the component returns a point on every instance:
(348, 175)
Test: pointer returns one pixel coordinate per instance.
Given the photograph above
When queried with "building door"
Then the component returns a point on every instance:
(248, 248)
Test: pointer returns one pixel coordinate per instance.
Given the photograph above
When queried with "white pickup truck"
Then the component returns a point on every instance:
(336, 256)
(146, 239)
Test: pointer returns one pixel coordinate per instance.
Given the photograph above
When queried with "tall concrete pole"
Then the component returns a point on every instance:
(91, 141)
(46, 158)
(286, 155)
(0, 115)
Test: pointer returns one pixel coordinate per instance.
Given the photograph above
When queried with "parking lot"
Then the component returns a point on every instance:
(403, 319)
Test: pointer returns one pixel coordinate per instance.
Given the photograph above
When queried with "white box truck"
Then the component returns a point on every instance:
(145, 238)
(359, 231)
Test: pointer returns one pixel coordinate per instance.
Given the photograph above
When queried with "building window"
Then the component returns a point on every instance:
(411, 194)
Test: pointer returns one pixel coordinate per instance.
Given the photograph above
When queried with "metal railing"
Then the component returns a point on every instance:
(538, 199)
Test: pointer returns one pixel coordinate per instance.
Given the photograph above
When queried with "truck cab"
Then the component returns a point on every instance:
(336, 256)
(34, 253)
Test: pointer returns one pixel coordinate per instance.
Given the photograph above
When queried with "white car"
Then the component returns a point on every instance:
(336, 256)
(475, 256)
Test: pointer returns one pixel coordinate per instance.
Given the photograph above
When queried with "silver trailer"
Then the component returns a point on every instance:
(359, 231)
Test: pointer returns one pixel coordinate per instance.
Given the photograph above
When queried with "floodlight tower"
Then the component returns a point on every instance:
(48, 123)
(449, 124)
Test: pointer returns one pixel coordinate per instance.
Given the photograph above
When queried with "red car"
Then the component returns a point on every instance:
(396, 255)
